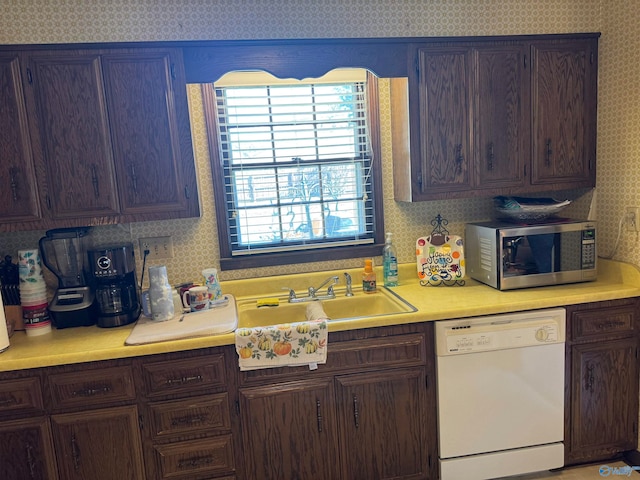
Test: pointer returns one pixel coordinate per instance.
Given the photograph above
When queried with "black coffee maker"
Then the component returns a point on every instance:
(113, 272)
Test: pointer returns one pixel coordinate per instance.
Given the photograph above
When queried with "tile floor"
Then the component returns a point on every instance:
(616, 470)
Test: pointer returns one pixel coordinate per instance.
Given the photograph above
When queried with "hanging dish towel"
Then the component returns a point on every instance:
(287, 344)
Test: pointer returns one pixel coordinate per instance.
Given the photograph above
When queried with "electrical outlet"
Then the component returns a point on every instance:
(632, 219)
(159, 247)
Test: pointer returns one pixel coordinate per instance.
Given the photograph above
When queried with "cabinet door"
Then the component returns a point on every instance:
(289, 430)
(564, 90)
(73, 145)
(26, 450)
(604, 405)
(501, 116)
(99, 444)
(382, 422)
(445, 127)
(18, 197)
(149, 147)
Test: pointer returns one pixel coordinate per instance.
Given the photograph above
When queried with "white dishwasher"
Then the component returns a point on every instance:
(500, 382)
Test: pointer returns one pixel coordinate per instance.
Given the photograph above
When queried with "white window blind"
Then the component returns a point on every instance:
(297, 164)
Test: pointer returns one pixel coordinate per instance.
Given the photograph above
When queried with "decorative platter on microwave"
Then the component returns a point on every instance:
(440, 259)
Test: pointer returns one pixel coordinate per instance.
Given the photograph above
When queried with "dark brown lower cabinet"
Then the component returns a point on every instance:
(289, 430)
(26, 451)
(382, 424)
(604, 413)
(602, 358)
(99, 444)
(369, 413)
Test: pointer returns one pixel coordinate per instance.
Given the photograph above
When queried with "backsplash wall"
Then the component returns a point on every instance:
(41, 21)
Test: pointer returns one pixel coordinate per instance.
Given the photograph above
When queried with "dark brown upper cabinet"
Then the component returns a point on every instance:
(495, 116)
(110, 135)
(18, 190)
(564, 92)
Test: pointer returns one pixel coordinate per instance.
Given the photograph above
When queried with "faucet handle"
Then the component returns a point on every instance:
(347, 277)
(292, 293)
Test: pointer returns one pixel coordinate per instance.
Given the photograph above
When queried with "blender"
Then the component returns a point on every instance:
(64, 252)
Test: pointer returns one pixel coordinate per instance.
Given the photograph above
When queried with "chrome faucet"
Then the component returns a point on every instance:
(313, 292)
(349, 292)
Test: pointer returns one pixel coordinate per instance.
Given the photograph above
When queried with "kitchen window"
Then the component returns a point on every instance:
(296, 167)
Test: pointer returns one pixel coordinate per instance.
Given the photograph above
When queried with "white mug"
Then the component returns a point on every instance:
(198, 298)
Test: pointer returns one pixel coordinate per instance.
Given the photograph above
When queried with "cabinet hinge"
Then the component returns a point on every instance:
(47, 199)
(426, 381)
(429, 460)
(186, 192)
(29, 76)
(417, 66)
(140, 422)
(237, 407)
(172, 68)
(524, 61)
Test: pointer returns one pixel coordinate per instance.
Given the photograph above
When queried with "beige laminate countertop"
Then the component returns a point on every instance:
(616, 280)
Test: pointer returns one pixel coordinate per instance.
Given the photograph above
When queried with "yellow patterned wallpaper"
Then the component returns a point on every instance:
(57, 21)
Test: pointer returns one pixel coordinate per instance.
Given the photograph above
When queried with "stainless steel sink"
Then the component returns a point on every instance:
(361, 305)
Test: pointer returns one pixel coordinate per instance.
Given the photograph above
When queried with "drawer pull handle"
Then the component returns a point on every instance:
(190, 420)
(92, 391)
(30, 461)
(194, 462)
(75, 451)
(491, 157)
(9, 401)
(589, 378)
(459, 158)
(183, 380)
(356, 413)
(611, 324)
(13, 183)
(319, 415)
(548, 153)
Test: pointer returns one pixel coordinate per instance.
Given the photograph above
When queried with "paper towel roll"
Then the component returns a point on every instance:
(4, 334)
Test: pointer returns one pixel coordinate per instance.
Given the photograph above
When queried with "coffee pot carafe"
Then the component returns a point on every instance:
(113, 270)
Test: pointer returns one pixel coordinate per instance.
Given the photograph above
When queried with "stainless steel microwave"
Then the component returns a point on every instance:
(507, 256)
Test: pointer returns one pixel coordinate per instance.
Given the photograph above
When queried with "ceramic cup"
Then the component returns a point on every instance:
(212, 283)
(197, 298)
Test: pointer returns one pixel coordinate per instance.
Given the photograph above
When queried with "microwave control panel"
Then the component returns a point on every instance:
(588, 249)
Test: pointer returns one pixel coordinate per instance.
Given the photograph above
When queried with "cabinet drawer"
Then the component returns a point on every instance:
(380, 352)
(590, 323)
(20, 396)
(92, 387)
(196, 458)
(184, 376)
(208, 414)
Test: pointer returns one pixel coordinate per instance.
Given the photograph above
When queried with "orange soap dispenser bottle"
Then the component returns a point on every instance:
(368, 277)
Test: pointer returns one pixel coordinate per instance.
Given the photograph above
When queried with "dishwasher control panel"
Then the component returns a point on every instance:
(499, 332)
